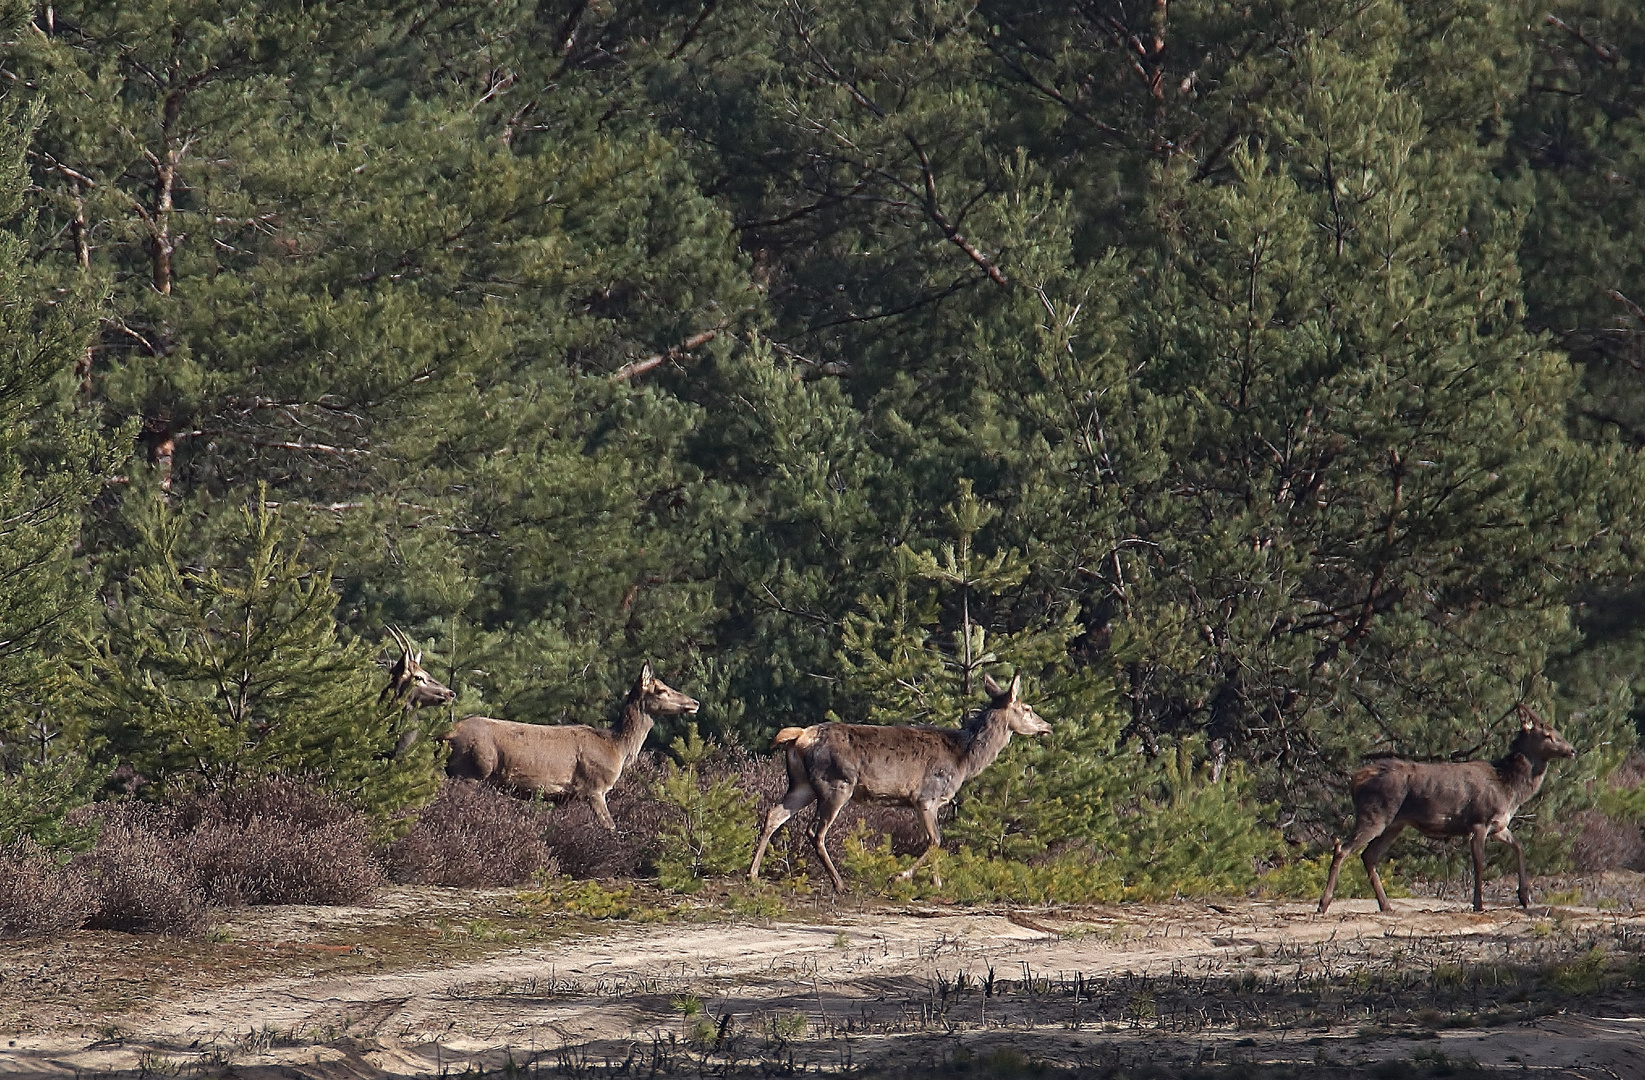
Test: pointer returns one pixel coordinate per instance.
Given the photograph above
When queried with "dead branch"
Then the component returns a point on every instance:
(639, 367)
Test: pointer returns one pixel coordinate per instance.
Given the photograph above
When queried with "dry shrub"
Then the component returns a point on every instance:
(141, 878)
(1631, 773)
(473, 835)
(38, 894)
(1603, 843)
(276, 840)
(584, 848)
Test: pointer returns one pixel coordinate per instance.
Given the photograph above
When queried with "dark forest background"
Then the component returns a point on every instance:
(1264, 381)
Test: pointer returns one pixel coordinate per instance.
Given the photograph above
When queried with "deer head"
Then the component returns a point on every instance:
(657, 698)
(1019, 716)
(408, 680)
(1538, 740)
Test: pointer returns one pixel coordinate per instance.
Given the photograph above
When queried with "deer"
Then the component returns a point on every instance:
(566, 759)
(1444, 799)
(905, 765)
(408, 680)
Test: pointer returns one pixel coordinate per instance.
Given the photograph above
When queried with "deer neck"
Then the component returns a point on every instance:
(631, 728)
(1521, 774)
(988, 738)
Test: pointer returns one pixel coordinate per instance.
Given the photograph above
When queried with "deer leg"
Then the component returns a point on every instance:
(596, 799)
(928, 816)
(1364, 833)
(1373, 855)
(1338, 854)
(797, 799)
(1519, 853)
(829, 805)
(1476, 841)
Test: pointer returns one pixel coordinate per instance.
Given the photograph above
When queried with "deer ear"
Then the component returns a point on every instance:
(646, 678)
(1525, 722)
(990, 687)
(417, 657)
(1016, 687)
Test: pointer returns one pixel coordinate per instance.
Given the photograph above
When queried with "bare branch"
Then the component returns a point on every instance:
(640, 367)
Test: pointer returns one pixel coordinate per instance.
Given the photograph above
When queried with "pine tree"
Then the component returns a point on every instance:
(1576, 160)
(52, 461)
(1362, 507)
(916, 652)
(221, 673)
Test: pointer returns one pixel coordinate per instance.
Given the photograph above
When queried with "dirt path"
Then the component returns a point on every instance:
(1556, 991)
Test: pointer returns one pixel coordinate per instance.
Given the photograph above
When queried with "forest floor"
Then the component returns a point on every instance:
(445, 982)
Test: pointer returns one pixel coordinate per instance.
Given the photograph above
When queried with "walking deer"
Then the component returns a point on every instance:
(565, 759)
(921, 767)
(408, 680)
(1467, 798)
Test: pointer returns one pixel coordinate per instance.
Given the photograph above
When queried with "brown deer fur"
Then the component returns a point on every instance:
(566, 759)
(1468, 798)
(921, 767)
(408, 680)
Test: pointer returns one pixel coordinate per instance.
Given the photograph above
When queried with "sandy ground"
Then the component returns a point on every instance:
(1431, 989)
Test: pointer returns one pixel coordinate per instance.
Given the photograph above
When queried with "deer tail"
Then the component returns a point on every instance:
(787, 736)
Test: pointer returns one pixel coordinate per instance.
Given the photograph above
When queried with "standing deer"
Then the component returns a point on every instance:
(921, 767)
(565, 759)
(1472, 798)
(408, 680)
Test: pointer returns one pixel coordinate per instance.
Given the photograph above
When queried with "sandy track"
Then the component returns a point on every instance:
(1138, 982)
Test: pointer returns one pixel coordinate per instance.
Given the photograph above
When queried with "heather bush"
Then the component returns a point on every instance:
(584, 848)
(475, 835)
(141, 876)
(276, 840)
(1603, 843)
(40, 893)
(1609, 836)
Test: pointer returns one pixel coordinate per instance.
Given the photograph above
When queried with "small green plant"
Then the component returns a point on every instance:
(589, 899)
(755, 902)
(792, 1026)
(708, 834)
(1582, 975)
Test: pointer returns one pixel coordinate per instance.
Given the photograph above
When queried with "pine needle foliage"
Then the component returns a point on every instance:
(214, 674)
(53, 460)
(1075, 798)
(706, 833)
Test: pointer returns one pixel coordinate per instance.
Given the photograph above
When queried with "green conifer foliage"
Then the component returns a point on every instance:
(1362, 506)
(1576, 162)
(208, 674)
(52, 461)
(917, 653)
(707, 834)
